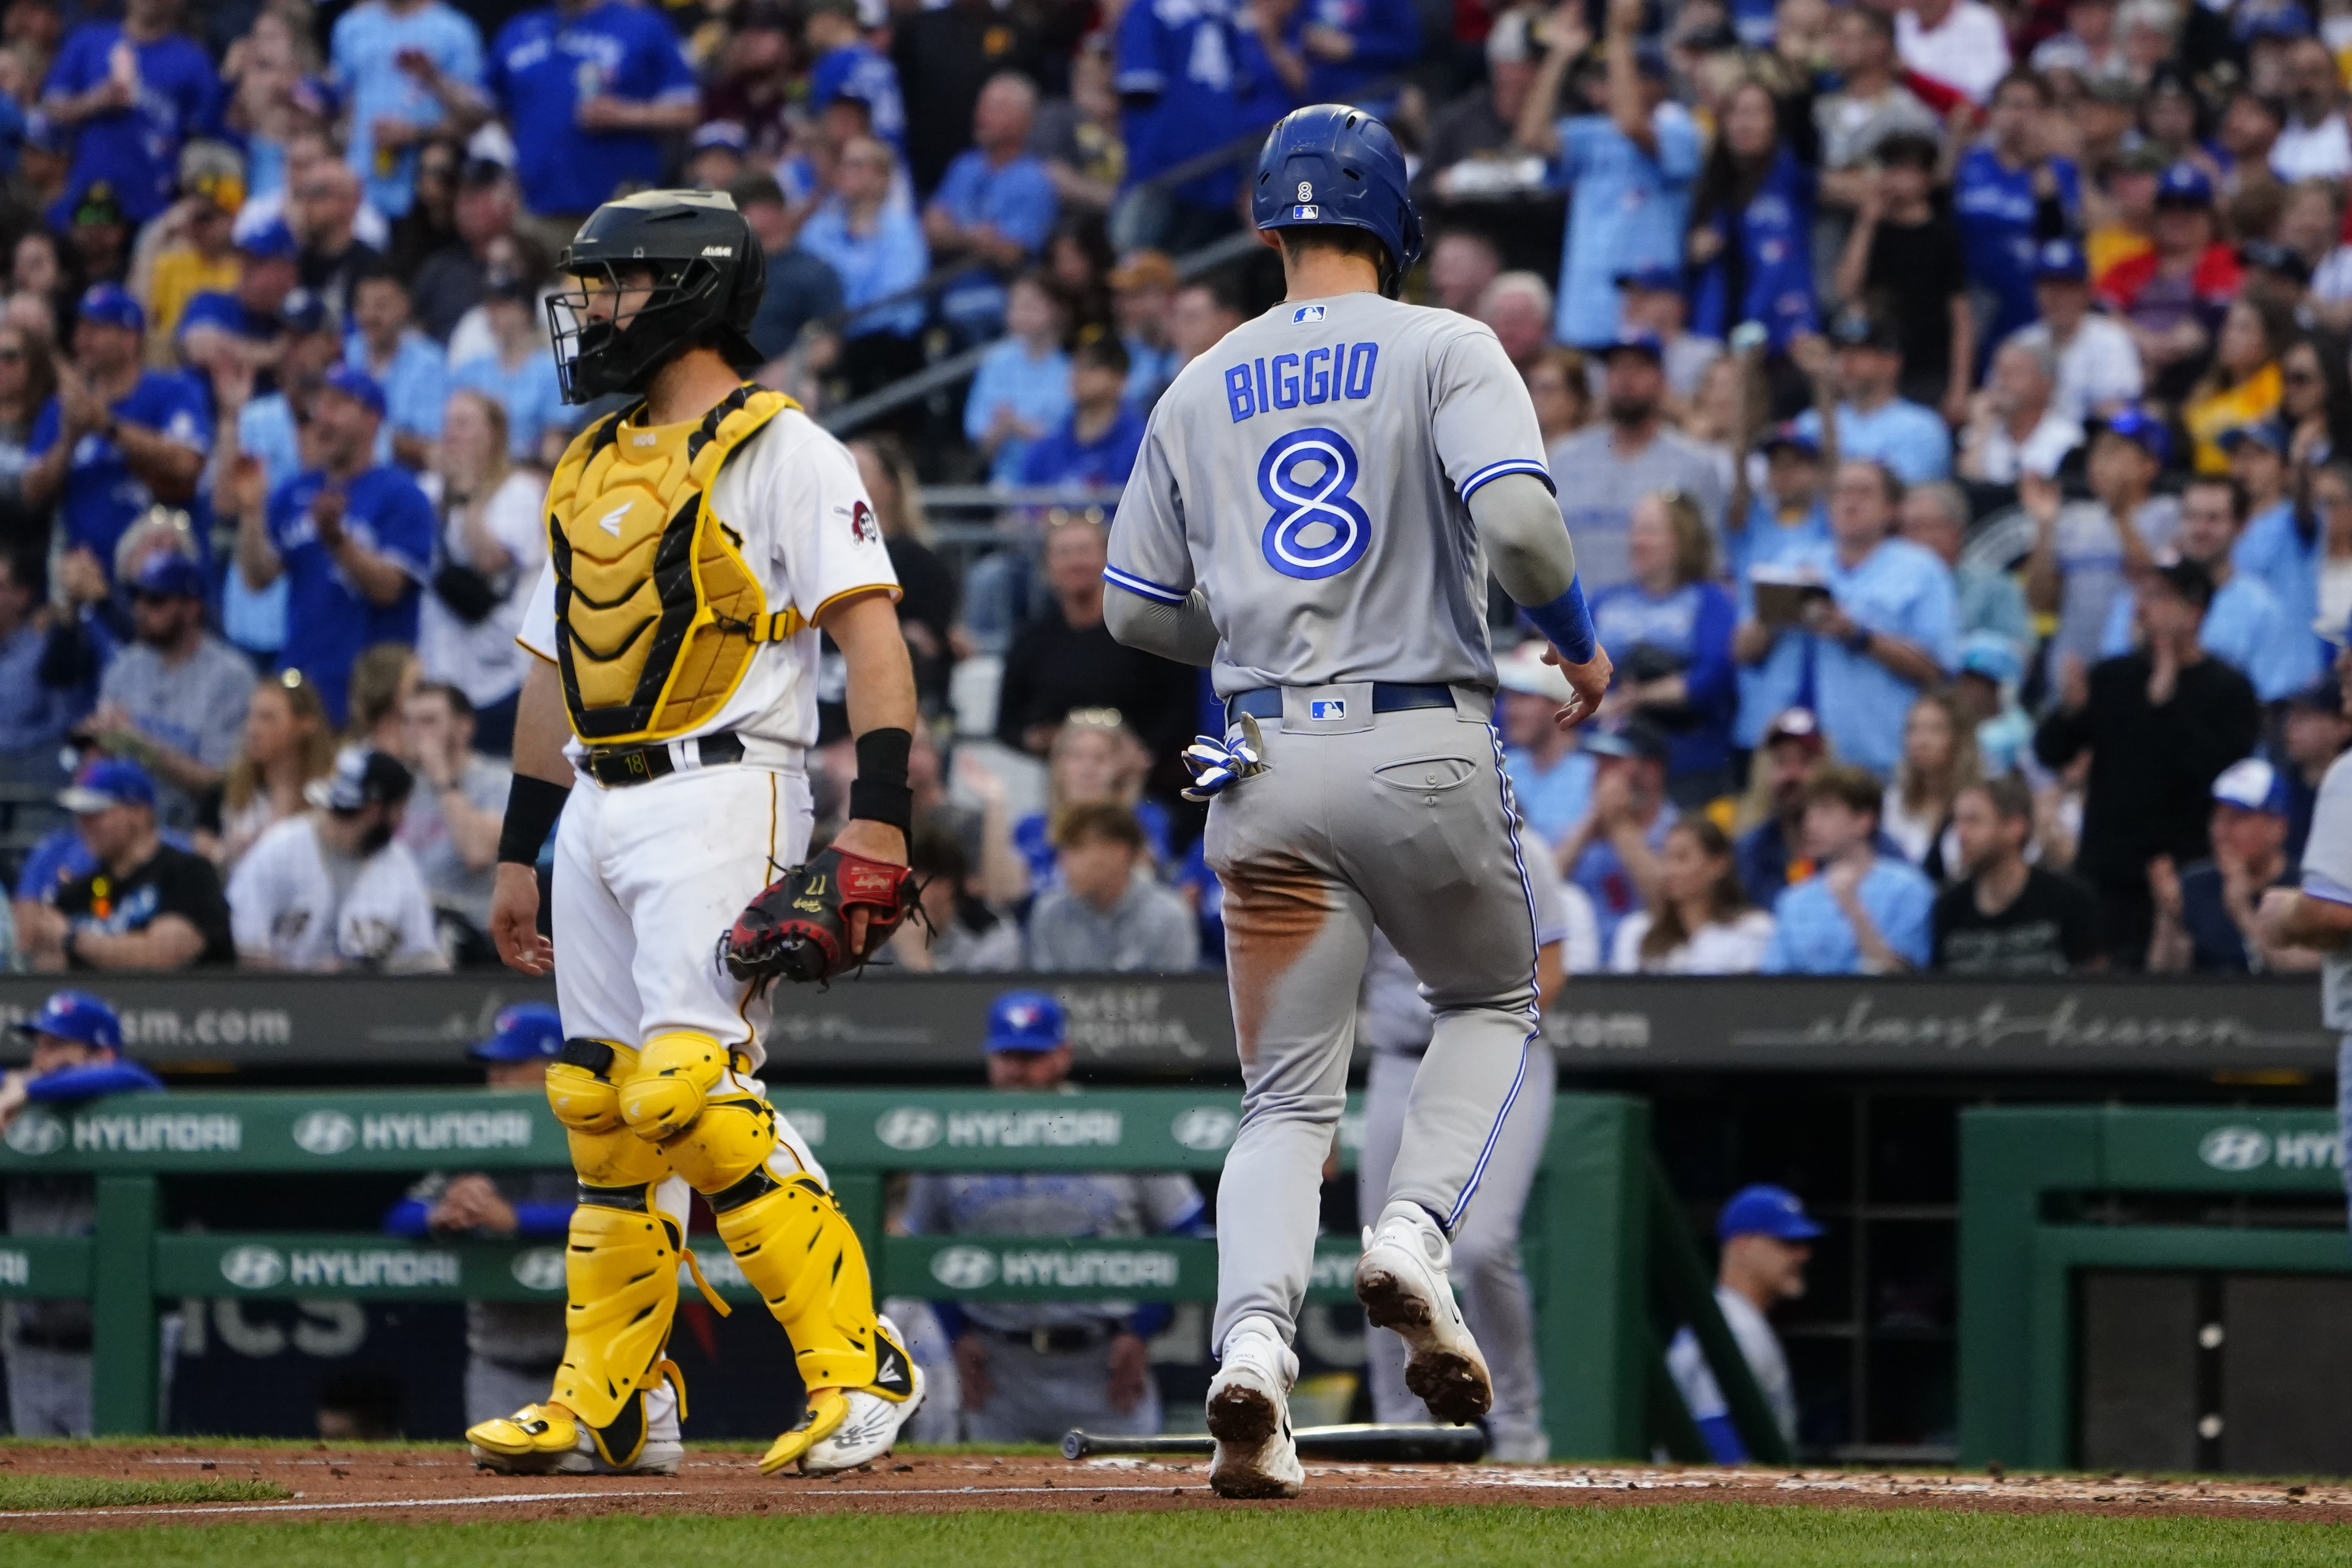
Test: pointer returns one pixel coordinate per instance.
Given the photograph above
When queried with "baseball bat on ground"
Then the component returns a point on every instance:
(1373, 1442)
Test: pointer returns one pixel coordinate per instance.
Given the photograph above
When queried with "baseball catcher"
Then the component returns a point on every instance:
(699, 542)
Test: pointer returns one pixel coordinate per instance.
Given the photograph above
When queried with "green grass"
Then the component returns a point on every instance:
(1703, 1535)
(31, 1492)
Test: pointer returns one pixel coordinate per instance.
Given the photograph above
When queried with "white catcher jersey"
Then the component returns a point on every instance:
(1311, 474)
(809, 533)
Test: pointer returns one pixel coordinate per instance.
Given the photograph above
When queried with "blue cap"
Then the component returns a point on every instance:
(304, 311)
(525, 1033)
(1992, 655)
(76, 1015)
(1764, 1209)
(111, 305)
(2267, 434)
(2143, 430)
(2272, 22)
(272, 240)
(114, 781)
(1025, 1021)
(358, 385)
(2252, 784)
(1637, 341)
(169, 573)
(1658, 278)
(1791, 434)
(2184, 184)
(2061, 261)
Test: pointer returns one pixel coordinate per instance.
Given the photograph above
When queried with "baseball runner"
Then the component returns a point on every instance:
(699, 542)
(1316, 507)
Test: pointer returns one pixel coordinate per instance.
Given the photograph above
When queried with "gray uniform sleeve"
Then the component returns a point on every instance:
(1148, 554)
(1184, 632)
(1526, 539)
(1482, 422)
(2329, 852)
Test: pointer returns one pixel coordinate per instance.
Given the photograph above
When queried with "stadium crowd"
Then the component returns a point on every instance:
(1949, 403)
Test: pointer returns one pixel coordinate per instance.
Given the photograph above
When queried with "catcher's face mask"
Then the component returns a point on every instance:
(626, 321)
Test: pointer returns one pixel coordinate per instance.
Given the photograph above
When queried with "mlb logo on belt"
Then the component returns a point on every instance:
(1328, 707)
(1306, 214)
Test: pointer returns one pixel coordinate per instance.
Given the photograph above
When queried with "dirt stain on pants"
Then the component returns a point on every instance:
(1275, 908)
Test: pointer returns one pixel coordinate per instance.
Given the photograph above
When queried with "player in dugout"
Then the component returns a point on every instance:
(512, 1348)
(1033, 1370)
(77, 1042)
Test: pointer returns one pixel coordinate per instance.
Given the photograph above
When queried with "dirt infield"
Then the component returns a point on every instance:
(417, 1484)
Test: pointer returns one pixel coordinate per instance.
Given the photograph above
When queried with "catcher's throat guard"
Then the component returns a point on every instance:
(798, 930)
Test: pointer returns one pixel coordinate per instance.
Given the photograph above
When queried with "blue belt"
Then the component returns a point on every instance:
(1388, 697)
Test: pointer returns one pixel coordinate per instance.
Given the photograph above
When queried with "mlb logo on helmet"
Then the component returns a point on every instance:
(1306, 214)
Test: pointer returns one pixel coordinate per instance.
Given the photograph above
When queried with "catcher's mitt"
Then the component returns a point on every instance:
(798, 928)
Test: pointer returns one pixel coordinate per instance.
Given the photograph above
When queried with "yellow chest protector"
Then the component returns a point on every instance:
(656, 614)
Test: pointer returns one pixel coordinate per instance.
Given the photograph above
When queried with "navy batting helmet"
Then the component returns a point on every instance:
(1331, 164)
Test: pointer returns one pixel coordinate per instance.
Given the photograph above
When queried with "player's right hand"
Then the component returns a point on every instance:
(514, 921)
(1587, 683)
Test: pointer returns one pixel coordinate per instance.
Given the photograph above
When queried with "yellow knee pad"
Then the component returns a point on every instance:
(672, 1080)
(582, 1086)
(620, 1276)
(729, 1142)
(797, 1249)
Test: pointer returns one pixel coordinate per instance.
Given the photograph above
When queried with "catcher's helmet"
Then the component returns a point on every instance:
(1331, 164)
(707, 276)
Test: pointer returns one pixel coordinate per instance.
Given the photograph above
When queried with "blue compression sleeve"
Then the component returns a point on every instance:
(89, 1082)
(408, 1217)
(1723, 1440)
(1567, 622)
(542, 1219)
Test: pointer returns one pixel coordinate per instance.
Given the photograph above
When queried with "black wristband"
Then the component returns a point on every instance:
(879, 793)
(533, 806)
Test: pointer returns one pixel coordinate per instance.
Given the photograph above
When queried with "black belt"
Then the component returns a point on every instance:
(1388, 697)
(1064, 1340)
(619, 766)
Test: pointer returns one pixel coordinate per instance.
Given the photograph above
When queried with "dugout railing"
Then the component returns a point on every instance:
(1612, 1263)
(2051, 1197)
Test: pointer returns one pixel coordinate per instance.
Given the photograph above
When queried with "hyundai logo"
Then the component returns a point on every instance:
(964, 1267)
(908, 1127)
(252, 1267)
(1204, 1127)
(541, 1268)
(2234, 1148)
(325, 1133)
(36, 1132)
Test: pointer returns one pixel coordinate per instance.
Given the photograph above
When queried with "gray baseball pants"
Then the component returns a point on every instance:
(1036, 1398)
(1401, 820)
(1493, 1287)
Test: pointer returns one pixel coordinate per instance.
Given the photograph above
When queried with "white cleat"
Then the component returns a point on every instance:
(876, 1414)
(1402, 1281)
(1249, 1415)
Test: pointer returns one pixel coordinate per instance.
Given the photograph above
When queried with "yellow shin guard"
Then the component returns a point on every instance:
(798, 1251)
(620, 1271)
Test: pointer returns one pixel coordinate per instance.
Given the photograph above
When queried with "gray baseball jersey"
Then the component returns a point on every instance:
(1311, 474)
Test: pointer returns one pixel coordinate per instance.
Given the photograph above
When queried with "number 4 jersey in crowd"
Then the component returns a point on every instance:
(1336, 433)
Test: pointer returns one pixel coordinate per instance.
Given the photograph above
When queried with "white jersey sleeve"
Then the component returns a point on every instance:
(1148, 553)
(1482, 421)
(826, 537)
